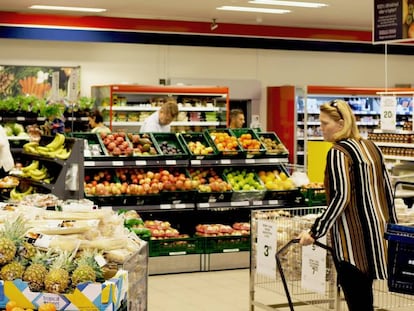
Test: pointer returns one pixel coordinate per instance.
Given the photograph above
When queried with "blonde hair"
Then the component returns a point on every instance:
(170, 107)
(339, 110)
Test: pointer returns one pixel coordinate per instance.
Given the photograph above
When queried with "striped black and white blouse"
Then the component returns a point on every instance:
(360, 204)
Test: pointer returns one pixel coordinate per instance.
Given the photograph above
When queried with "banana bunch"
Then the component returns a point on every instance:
(16, 195)
(35, 172)
(55, 149)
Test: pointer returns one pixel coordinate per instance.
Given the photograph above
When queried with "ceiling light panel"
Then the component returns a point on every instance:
(252, 9)
(290, 3)
(66, 8)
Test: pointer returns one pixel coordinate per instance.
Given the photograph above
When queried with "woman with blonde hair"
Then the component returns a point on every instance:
(360, 204)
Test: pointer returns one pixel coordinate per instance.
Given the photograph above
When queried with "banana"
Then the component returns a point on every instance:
(29, 190)
(58, 141)
(15, 195)
(63, 154)
(29, 146)
(37, 174)
(32, 166)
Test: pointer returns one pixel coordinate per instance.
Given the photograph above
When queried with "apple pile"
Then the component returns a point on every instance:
(212, 230)
(142, 145)
(243, 180)
(137, 181)
(276, 180)
(209, 180)
(199, 148)
(225, 142)
(116, 144)
(162, 230)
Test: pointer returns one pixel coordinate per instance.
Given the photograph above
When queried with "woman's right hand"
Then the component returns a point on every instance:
(305, 238)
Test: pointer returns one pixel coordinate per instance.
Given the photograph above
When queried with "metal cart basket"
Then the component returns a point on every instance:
(269, 291)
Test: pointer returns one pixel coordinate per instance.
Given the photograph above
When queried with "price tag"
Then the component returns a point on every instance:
(171, 162)
(225, 161)
(231, 250)
(388, 113)
(204, 205)
(274, 202)
(140, 163)
(241, 203)
(177, 253)
(165, 206)
(256, 202)
(178, 206)
(313, 276)
(20, 118)
(195, 162)
(266, 248)
(117, 163)
(89, 163)
(250, 161)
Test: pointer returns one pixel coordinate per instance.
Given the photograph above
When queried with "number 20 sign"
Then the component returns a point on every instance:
(388, 112)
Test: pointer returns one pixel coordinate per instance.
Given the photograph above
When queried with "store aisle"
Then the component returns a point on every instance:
(219, 291)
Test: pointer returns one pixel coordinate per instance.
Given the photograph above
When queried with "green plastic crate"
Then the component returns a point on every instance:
(171, 141)
(175, 246)
(250, 153)
(226, 243)
(187, 138)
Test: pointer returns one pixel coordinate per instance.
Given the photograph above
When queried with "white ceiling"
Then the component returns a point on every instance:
(340, 14)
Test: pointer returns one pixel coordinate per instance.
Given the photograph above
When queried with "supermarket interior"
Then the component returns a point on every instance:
(203, 216)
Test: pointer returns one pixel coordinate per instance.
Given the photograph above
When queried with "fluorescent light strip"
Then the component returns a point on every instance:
(249, 9)
(66, 8)
(290, 3)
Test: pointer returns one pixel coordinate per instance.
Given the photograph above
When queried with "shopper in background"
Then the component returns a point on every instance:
(6, 157)
(96, 123)
(236, 119)
(160, 121)
(360, 204)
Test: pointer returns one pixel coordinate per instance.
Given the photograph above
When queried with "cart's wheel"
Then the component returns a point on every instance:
(409, 202)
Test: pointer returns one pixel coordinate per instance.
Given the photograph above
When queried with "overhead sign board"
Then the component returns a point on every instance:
(393, 21)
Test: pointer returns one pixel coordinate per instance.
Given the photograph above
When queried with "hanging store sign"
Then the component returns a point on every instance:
(393, 21)
(388, 113)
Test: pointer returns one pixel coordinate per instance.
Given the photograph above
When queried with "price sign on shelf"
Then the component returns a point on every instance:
(388, 113)
(266, 248)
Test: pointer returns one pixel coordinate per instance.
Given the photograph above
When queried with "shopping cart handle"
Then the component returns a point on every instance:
(293, 241)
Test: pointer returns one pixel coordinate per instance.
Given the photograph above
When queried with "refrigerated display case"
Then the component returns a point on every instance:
(288, 106)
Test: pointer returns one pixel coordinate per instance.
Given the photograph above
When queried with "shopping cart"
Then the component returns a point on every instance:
(333, 301)
(277, 292)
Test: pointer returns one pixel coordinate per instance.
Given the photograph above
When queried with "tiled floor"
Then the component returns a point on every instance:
(200, 291)
(228, 290)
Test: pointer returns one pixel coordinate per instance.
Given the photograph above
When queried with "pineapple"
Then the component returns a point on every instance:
(11, 271)
(11, 237)
(26, 250)
(85, 268)
(36, 272)
(57, 279)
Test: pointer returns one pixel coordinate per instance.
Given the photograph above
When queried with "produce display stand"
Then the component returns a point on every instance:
(267, 290)
(137, 267)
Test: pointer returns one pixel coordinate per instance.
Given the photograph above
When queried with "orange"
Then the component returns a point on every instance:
(10, 305)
